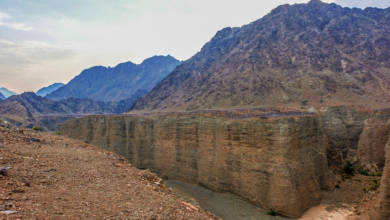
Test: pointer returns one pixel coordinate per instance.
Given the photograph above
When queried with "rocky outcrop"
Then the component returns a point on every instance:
(371, 150)
(343, 127)
(277, 163)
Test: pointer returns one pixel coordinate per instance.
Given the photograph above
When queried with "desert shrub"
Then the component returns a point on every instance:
(363, 172)
(349, 169)
(374, 185)
(271, 212)
(36, 128)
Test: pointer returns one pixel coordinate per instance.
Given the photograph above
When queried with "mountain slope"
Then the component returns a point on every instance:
(313, 54)
(6, 93)
(126, 80)
(49, 89)
(29, 109)
(2, 96)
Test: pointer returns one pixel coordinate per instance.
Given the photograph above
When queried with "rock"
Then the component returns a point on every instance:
(50, 170)
(3, 171)
(35, 140)
(8, 212)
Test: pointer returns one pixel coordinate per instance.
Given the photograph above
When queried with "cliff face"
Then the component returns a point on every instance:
(382, 211)
(279, 164)
(371, 150)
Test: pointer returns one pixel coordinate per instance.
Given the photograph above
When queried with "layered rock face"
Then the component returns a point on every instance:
(371, 150)
(382, 212)
(277, 163)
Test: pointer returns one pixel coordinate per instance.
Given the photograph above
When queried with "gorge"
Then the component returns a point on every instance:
(281, 162)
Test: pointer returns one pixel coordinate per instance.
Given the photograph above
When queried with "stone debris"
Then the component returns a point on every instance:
(3, 171)
(8, 212)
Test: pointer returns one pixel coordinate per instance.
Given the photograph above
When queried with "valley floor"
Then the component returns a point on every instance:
(45, 176)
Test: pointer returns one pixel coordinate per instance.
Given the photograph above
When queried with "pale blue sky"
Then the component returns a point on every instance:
(47, 41)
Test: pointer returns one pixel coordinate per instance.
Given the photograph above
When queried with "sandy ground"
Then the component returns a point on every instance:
(328, 212)
(53, 177)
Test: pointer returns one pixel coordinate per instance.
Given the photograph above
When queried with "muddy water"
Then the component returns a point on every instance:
(225, 205)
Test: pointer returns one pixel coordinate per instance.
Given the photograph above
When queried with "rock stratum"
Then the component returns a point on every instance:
(313, 54)
(279, 161)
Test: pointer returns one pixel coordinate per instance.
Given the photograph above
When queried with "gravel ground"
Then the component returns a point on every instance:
(45, 176)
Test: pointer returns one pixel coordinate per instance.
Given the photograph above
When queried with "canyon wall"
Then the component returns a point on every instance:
(372, 141)
(383, 210)
(279, 163)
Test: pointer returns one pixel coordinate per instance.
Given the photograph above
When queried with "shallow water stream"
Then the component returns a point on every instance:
(225, 205)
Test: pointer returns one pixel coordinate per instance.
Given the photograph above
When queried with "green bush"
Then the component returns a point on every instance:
(36, 128)
(364, 172)
(349, 169)
(271, 212)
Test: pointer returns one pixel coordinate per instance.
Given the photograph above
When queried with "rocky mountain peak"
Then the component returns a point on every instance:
(314, 53)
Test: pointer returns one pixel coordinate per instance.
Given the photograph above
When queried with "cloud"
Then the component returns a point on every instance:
(364, 3)
(30, 52)
(13, 25)
(27, 65)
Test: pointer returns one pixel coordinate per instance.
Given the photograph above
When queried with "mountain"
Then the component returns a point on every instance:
(49, 89)
(126, 80)
(6, 93)
(29, 109)
(301, 55)
(2, 96)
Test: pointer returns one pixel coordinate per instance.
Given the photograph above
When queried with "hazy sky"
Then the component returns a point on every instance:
(47, 41)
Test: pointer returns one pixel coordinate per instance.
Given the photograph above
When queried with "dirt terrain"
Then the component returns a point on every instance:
(45, 176)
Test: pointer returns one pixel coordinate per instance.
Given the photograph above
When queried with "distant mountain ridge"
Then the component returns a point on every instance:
(49, 89)
(124, 81)
(313, 54)
(30, 109)
(7, 93)
(2, 96)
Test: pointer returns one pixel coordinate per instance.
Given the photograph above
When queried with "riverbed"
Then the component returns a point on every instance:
(224, 205)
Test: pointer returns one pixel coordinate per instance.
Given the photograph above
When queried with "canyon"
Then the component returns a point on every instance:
(280, 161)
